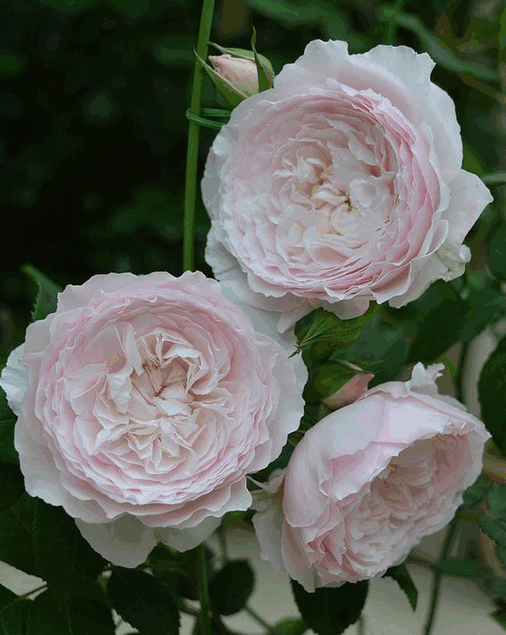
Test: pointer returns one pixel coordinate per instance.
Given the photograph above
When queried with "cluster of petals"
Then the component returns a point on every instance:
(340, 185)
(142, 403)
(368, 481)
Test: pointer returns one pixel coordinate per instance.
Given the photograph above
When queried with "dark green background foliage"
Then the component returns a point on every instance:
(93, 130)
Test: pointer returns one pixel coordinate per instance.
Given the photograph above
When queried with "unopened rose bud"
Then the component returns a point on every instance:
(350, 392)
(241, 73)
(238, 74)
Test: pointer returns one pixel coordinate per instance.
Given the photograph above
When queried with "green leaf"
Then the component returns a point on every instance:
(14, 617)
(475, 492)
(380, 350)
(500, 617)
(401, 575)
(231, 587)
(65, 558)
(486, 306)
(436, 318)
(16, 543)
(12, 485)
(497, 253)
(291, 626)
(143, 602)
(494, 529)
(326, 379)
(435, 47)
(492, 395)
(171, 569)
(460, 568)
(496, 500)
(53, 615)
(320, 333)
(131, 8)
(329, 611)
(47, 295)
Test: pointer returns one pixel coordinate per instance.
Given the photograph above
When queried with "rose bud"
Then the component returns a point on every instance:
(235, 74)
(368, 481)
(351, 391)
(241, 73)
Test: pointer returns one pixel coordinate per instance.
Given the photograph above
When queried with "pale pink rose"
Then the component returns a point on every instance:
(142, 404)
(341, 185)
(368, 481)
(241, 73)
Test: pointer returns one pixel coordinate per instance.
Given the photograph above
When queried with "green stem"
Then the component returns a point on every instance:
(203, 595)
(222, 537)
(497, 178)
(459, 377)
(436, 587)
(258, 618)
(193, 136)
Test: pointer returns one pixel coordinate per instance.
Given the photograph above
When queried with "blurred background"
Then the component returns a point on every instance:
(93, 95)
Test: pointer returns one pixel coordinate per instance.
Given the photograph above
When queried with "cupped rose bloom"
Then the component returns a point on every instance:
(368, 481)
(142, 404)
(340, 185)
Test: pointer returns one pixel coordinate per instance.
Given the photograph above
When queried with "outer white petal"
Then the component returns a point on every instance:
(468, 198)
(14, 379)
(185, 539)
(125, 542)
(282, 313)
(420, 99)
(74, 297)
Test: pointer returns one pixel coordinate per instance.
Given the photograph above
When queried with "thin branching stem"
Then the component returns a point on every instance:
(192, 156)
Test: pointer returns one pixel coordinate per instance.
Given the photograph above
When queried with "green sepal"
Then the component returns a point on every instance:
(264, 67)
(231, 95)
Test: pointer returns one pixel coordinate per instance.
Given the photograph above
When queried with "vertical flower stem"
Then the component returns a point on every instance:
(202, 591)
(436, 587)
(270, 629)
(190, 193)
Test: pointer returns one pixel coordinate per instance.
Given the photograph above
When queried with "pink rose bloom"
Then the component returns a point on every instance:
(341, 185)
(142, 404)
(368, 481)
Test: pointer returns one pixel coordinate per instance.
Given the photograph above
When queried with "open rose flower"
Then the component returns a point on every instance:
(142, 404)
(341, 185)
(368, 481)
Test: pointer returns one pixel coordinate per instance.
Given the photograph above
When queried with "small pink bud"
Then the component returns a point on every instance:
(350, 392)
(241, 73)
